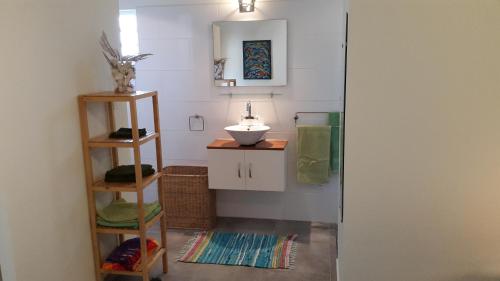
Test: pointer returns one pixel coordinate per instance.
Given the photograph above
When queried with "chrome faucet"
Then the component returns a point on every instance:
(249, 111)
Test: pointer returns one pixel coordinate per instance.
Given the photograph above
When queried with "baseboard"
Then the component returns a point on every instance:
(338, 269)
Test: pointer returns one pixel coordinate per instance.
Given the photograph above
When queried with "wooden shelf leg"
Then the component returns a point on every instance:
(112, 128)
(95, 241)
(161, 197)
(82, 107)
(163, 229)
(140, 191)
(114, 155)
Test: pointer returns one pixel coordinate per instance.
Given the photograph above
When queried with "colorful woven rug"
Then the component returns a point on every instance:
(243, 249)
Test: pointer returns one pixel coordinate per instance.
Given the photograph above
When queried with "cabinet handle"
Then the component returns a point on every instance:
(239, 170)
(250, 170)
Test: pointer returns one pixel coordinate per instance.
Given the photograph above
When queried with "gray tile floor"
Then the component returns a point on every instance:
(315, 261)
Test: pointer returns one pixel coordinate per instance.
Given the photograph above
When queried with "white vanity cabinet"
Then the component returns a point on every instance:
(226, 169)
(261, 167)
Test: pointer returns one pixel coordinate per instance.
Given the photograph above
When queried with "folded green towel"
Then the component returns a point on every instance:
(132, 224)
(313, 153)
(121, 213)
(334, 120)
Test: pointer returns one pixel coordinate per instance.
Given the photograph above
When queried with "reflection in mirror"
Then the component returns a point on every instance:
(250, 53)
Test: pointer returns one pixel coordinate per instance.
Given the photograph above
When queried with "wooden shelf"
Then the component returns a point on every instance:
(149, 224)
(94, 185)
(152, 260)
(117, 97)
(102, 186)
(105, 142)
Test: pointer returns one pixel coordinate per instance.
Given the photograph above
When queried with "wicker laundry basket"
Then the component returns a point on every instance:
(188, 201)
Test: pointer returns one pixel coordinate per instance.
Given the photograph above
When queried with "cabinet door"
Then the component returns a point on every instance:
(226, 169)
(265, 170)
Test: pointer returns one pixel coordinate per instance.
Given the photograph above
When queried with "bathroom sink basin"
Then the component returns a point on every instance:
(247, 135)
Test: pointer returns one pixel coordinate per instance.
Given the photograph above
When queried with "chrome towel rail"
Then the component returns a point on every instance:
(296, 118)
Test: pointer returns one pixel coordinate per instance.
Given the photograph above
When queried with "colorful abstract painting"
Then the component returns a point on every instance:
(257, 63)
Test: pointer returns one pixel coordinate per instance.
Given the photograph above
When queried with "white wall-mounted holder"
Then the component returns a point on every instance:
(192, 126)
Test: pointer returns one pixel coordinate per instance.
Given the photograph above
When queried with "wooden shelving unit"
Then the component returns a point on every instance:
(137, 187)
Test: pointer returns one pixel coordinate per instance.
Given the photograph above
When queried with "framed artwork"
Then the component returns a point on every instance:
(257, 61)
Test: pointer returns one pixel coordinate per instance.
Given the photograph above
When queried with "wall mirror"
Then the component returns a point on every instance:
(250, 53)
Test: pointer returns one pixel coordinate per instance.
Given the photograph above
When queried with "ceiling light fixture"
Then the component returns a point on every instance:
(247, 6)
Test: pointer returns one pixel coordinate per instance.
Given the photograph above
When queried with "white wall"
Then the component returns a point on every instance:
(180, 36)
(422, 157)
(50, 55)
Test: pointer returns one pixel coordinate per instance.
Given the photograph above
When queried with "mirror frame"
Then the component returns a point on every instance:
(219, 64)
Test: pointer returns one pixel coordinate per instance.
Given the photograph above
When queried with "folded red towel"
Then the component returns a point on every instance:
(127, 256)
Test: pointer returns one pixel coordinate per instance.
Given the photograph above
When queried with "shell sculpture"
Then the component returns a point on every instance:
(122, 67)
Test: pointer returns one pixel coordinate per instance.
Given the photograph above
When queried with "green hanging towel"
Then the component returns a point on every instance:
(313, 153)
(334, 120)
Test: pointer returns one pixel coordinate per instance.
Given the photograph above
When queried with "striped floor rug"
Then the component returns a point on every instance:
(243, 249)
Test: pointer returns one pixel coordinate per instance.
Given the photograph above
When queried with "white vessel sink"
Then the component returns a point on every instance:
(247, 135)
